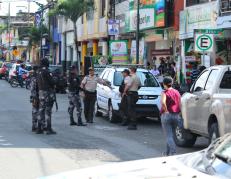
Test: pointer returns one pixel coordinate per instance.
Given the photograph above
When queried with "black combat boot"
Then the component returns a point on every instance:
(80, 123)
(34, 129)
(72, 122)
(39, 129)
(124, 121)
(132, 126)
(50, 131)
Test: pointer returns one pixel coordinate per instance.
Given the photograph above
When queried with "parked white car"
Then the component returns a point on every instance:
(206, 110)
(108, 98)
(211, 163)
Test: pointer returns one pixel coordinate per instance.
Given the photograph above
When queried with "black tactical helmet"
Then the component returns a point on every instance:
(35, 67)
(44, 62)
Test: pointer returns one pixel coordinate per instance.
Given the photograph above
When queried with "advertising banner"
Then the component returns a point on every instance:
(197, 17)
(152, 14)
(141, 52)
(113, 27)
(119, 51)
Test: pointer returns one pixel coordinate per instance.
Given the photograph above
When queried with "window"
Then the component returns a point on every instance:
(105, 76)
(90, 15)
(195, 2)
(200, 83)
(146, 79)
(226, 81)
(211, 79)
(225, 6)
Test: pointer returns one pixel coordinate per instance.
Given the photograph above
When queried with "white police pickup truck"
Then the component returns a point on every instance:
(206, 110)
(108, 98)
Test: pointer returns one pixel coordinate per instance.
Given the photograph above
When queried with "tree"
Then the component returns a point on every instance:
(35, 35)
(2, 28)
(73, 10)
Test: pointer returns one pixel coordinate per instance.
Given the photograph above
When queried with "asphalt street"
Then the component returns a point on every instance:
(25, 155)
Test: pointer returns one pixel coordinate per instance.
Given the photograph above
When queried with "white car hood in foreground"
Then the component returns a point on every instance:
(156, 168)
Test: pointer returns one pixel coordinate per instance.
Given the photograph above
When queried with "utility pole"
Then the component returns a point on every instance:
(138, 32)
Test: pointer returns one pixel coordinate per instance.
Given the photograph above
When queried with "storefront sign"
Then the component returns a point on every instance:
(204, 42)
(152, 14)
(119, 51)
(161, 52)
(146, 19)
(197, 17)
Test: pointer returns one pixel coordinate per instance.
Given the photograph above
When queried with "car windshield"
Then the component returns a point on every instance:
(214, 160)
(146, 78)
(8, 65)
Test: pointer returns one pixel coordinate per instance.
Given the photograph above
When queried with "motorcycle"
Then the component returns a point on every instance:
(15, 81)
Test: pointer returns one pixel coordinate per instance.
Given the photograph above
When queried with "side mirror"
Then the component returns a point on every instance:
(108, 83)
(198, 89)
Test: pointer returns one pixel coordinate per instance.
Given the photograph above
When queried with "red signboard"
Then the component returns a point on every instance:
(178, 6)
(164, 52)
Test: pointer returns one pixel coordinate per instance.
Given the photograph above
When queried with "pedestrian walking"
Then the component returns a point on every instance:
(170, 109)
(89, 85)
(132, 86)
(34, 98)
(123, 104)
(74, 97)
(47, 97)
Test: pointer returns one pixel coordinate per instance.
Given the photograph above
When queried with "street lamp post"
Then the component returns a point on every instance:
(138, 32)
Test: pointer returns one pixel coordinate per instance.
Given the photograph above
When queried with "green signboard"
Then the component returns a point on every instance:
(218, 33)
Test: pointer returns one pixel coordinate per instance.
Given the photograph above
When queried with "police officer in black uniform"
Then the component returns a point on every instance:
(74, 97)
(47, 97)
(34, 98)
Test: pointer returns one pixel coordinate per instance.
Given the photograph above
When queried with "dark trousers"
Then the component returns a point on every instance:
(89, 105)
(123, 109)
(132, 98)
(20, 80)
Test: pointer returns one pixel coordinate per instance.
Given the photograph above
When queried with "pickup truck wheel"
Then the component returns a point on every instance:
(97, 113)
(213, 132)
(183, 138)
(111, 114)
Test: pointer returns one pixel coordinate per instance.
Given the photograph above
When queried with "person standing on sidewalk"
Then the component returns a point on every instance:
(123, 104)
(89, 85)
(170, 109)
(47, 97)
(74, 97)
(132, 86)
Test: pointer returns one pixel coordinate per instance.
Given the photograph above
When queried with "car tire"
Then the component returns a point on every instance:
(111, 114)
(97, 113)
(183, 138)
(213, 132)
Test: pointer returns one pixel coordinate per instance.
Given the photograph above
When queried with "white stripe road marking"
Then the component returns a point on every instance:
(4, 142)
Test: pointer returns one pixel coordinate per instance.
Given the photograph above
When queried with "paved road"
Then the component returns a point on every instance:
(25, 155)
